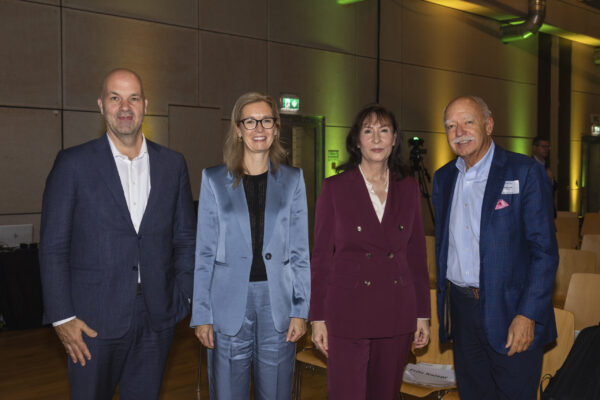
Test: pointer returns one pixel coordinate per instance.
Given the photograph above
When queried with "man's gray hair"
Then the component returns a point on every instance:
(485, 109)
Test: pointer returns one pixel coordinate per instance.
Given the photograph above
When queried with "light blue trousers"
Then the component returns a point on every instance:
(257, 347)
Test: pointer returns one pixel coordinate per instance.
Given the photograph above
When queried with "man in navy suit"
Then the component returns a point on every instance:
(117, 250)
(496, 256)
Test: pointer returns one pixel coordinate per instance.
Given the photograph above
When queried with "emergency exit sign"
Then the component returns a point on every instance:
(290, 104)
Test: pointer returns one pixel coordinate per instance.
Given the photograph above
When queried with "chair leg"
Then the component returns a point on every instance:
(298, 380)
(198, 395)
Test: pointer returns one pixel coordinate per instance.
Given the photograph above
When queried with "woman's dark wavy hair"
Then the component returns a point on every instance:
(395, 163)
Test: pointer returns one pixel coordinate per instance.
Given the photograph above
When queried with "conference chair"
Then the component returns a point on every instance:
(567, 230)
(555, 356)
(568, 214)
(583, 299)
(592, 243)
(566, 240)
(309, 358)
(434, 353)
(571, 261)
(431, 267)
(591, 224)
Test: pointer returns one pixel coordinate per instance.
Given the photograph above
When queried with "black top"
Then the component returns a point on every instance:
(255, 187)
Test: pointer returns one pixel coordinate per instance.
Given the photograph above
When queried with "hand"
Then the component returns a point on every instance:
(70, 334)
(296, 330)
(520, 334)
(204, 333)
(422, 334)
(319, 337)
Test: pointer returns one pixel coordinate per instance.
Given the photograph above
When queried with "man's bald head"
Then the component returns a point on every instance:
(120, 71)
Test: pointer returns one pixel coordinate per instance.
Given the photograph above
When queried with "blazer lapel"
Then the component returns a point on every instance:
(494, 186)
(156, 178)
(240, 208)
(273, 203)
(364, 198)
(107, 168)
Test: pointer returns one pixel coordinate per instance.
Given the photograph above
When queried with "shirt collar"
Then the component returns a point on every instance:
(117, 154)
(482, 168)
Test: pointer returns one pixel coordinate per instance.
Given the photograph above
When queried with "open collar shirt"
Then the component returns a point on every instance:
(465, 221)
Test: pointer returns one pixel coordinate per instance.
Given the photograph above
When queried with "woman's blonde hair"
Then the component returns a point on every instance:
(233, 150)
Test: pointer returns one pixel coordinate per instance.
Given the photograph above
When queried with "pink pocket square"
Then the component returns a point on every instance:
(501, 204)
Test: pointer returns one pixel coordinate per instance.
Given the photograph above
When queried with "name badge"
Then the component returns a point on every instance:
(511, 187)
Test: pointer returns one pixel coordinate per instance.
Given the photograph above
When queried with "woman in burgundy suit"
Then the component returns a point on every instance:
(370, 287)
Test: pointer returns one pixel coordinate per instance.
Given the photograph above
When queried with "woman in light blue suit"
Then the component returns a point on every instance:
(252, 276)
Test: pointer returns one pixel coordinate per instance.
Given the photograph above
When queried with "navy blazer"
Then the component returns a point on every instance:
(369, 278)
(517, 247)
(90, 251)
(224, 249)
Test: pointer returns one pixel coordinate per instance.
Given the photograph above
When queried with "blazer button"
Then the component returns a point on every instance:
(390, 255)
(268, 256)
(368, 255)
(134, 268)
(395, 281)
(401, 227)
(359, 228)
(367, 283)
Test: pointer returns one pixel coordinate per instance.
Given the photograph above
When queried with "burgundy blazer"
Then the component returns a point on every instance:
(368, 279)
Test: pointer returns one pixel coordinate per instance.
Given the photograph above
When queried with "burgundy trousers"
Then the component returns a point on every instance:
(366, 369)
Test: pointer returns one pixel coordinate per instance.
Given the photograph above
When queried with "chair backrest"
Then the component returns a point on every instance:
(591, 224)
(571, 261)
(592, 243)
(430, 244)
(568, 226)
(583, 299)
(568, 214)
(566, 240)
(556, 356)
(434, 353)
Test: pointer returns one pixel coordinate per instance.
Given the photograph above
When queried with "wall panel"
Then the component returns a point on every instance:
(166, 58)
(229, 67)
(425, 93)
(180, 12)
(327, 82)
(30, 141)
(29, 55)
(324, 25)
(196, 132)
(245, 18)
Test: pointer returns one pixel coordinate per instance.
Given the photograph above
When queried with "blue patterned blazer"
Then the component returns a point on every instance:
(517, 246)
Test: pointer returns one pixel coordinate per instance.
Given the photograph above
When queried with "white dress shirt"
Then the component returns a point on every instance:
(135, 180)
(465, 221)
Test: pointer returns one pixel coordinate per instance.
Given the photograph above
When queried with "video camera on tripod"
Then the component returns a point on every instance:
(417, 169)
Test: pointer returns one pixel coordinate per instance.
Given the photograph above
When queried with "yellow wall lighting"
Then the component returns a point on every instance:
(344, 2)
(575, 37)
(463, 6)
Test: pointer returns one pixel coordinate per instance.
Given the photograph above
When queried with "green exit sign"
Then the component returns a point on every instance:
(290, 104)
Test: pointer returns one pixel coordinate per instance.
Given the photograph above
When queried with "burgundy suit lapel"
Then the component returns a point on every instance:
(364, 198)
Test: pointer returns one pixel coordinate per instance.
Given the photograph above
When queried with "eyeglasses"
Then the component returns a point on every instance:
(251, 123)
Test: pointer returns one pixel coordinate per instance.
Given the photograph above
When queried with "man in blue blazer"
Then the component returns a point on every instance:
(496, 256)
(117, 250)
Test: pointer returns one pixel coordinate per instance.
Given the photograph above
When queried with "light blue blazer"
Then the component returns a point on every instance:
(224, 250)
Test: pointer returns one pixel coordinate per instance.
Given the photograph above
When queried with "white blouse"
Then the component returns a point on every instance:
(377, 204)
